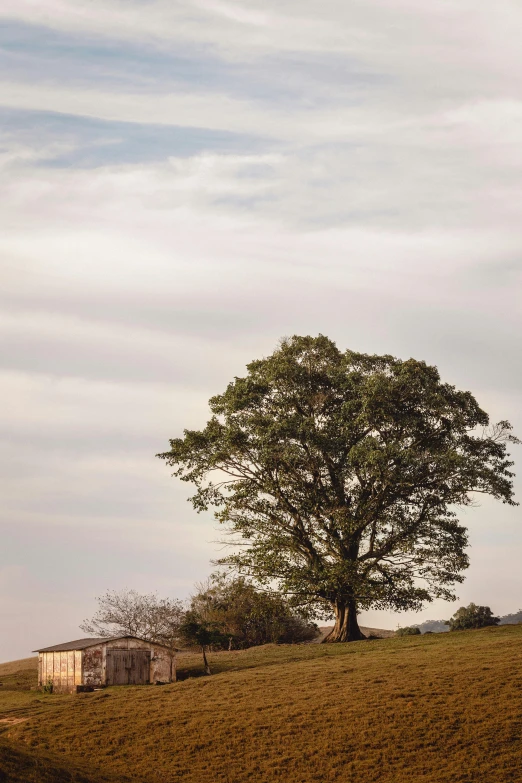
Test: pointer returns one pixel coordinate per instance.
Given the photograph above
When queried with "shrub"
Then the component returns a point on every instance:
(409, 630)
(472, 616)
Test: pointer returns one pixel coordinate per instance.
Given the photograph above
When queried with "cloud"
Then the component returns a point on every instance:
(36, 54)
(213, 23)
(68, 141)
(212, 250)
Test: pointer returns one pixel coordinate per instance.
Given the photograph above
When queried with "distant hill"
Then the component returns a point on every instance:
(15, 666)
(511, 619)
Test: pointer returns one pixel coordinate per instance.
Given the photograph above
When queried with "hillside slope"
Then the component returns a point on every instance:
(22, 766)
(11, 667)
(431, 709)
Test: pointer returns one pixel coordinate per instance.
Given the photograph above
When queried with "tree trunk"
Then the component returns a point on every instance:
(205, 662)
(346, 628)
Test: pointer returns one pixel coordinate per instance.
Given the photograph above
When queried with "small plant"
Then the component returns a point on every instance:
(49, 686)
(409, 630)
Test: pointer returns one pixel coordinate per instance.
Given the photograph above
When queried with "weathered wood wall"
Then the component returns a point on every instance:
(162, 664)
(62, 669)
(94, 665)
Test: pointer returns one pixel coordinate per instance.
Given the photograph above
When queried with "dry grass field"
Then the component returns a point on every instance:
(433, 709)
(20, 766)
(24, 664)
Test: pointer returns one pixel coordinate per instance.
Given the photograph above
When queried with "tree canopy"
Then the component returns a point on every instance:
(338, 476)
(247, 617)
(472, 616)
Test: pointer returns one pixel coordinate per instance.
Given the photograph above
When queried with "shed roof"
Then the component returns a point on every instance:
(82, 644)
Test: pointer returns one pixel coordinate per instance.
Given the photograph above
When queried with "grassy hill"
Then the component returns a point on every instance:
(24, 664)
(429, 709)
(21, 766)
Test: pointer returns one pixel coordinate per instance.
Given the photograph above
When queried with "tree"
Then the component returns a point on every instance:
(128, 613)
(247, 617)
(472, 616)
(196, 630)
(338, 475)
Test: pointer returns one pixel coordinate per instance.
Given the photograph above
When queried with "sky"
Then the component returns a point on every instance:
(184, 182)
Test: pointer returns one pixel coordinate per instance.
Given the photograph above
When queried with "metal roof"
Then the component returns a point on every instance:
(82, 644)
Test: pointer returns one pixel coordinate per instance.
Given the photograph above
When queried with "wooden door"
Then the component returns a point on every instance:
(128, 667)
(139, 671)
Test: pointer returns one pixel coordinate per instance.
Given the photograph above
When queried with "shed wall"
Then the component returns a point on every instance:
(62, 669)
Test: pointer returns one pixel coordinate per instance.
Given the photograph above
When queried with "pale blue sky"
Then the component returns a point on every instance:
(185, 182)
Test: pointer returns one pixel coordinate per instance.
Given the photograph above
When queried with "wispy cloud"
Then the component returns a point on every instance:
(61, 140)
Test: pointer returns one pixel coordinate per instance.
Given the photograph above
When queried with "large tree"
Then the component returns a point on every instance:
(339, 475)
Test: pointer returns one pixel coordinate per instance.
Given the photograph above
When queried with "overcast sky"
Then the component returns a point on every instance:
(182, 183)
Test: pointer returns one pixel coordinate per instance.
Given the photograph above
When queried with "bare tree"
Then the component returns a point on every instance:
(128, 613)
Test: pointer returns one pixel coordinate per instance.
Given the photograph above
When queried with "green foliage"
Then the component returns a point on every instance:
(409, 630)
(197, 630)
(337, 476)
(48, 687)
(472, 616)
(247, 617)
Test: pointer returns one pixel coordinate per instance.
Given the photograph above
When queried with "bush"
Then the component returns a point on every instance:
(409, 630)
(472, 616)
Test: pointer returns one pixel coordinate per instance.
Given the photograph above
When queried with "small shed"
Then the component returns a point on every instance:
(89, 663)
